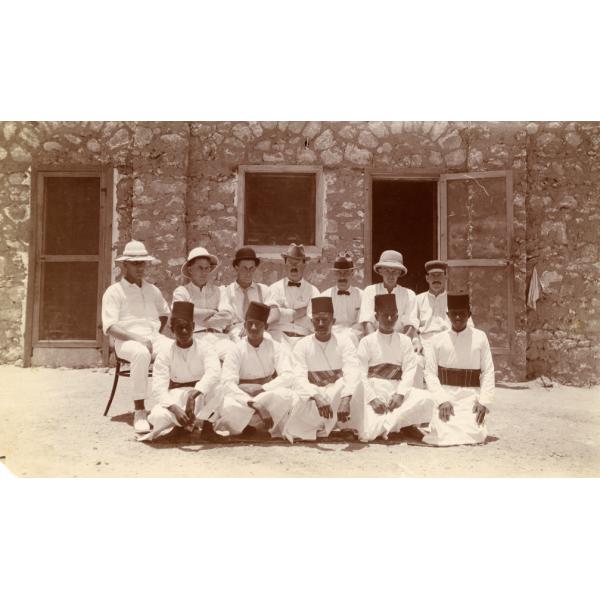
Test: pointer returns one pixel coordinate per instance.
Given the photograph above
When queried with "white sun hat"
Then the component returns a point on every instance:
(136, 251)
(199, 252)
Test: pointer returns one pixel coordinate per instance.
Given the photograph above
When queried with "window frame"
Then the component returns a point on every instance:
(274, 252)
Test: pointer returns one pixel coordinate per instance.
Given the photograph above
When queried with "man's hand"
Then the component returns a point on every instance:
(201, 314)
(182, 419)
(378, 405)
(299, 313)
(323, 406)
(252, 389)
(190, 403)
(395, 402)
(142, 339)
(409, 330)
(480, 411)
(445, 411)
(343, 412)
(262, 413)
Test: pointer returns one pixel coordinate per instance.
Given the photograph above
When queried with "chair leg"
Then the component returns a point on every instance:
(114, 387)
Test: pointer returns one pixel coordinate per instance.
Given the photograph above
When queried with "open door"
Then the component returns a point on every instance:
(476, 240)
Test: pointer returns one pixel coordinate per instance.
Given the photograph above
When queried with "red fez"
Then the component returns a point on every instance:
(183, 310)
(257, 311)
(385, 302)
(321, 304)
(458, 302)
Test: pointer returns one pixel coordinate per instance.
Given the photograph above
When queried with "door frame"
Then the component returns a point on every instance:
(39, 172)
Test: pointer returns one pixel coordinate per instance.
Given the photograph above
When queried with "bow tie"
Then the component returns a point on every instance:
(293, 284)
(342, 293)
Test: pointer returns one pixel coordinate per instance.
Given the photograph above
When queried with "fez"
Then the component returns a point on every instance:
(458, 302)
(321, 304)
(385, 302)
(257, 311)
(183, 310)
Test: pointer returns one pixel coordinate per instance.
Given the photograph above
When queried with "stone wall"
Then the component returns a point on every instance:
(176, 187)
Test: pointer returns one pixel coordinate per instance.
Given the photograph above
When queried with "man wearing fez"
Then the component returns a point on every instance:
(459, 373)
(391, 268)
(242, 291)
(185, 380)
(257, 380)
(388, 364)
(134, 313)
(293, 294)
(346, 298)
(326, 374)
(211, 314)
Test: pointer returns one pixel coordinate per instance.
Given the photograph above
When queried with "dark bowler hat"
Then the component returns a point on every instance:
(436, 265)
(246, 253)
(257, 311)
(385, 302)
(343, 262)
(321, 304)
(295, 251)
(183, 310)
(458, 302)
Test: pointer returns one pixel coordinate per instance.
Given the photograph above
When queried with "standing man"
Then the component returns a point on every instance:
(388, 364)
(326, 374)
(134, 313)
(346, 298)
(239, 294)
(390, 267)
(185, 380)
(293, 295)
(257, 380)
(459, 372)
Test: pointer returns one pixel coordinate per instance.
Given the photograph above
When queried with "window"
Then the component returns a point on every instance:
(278, 206)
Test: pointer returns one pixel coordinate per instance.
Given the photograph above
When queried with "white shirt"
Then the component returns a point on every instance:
(290, 298)
(468, 349)
(395, 348)
(432, 311)
(406, 301)
(209, 296)
(199, 363)
(136, 309)
(346, 308)
(233, 299)
(312, 355)
(244, 361)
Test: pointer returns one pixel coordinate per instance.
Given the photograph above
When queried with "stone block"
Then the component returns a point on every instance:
(367, 139)
(324, 141)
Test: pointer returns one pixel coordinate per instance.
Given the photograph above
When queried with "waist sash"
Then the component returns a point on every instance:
(323, 378)
(386, 371)
(260, 380)
(459, 377)
(173, 385)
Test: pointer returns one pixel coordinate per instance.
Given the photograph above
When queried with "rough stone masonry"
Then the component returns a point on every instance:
(176, 185)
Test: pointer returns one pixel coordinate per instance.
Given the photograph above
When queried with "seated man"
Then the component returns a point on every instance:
(459, 372)
(390, 267)
(185, 380)
(134, 313)
(388, 364)
(242, 291)
(326, 374)
(346, 299)
(257, 380)
(211, 315)
(292, 295)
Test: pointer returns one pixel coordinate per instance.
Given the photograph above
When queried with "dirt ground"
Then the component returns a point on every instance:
(51, 424)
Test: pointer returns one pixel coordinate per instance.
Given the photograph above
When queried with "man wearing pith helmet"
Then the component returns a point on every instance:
(459, 373)
(134, 313)
(391, 267)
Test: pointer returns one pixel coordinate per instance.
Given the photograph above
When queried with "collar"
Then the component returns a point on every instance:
(286, 280)
(382, 287)
(201, 289)
(250, 287)
(457, 333)
(126, 283)
(444, 293)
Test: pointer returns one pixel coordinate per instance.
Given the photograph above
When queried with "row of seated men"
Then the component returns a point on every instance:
(296, 362)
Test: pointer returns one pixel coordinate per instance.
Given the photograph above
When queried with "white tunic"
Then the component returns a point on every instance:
(289, 299)
(209, 296)
(406, 301)
(136, 309)
(433, 317)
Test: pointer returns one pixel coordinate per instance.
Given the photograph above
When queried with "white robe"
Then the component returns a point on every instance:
(198, 363)
(244, 362)
(468, 349)
(311, 355)
(388, 349)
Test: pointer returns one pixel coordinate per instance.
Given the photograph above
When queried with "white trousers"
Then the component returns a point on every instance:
(461, 428)
(234, 414)
(163, 420)
(139, 358)
(417, 408)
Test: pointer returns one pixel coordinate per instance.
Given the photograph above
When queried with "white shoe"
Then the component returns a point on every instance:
(140, 422)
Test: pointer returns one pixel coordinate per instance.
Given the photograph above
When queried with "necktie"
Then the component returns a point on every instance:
(342, 293)
(293, 284)
(245, 302)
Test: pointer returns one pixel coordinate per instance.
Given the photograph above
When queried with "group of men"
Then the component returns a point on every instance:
(297, 362)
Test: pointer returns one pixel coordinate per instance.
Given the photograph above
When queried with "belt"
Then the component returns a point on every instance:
(459, 377)
(323, 378)
(173, 385)
(260, 380)
(386, 371)
(294, 334)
